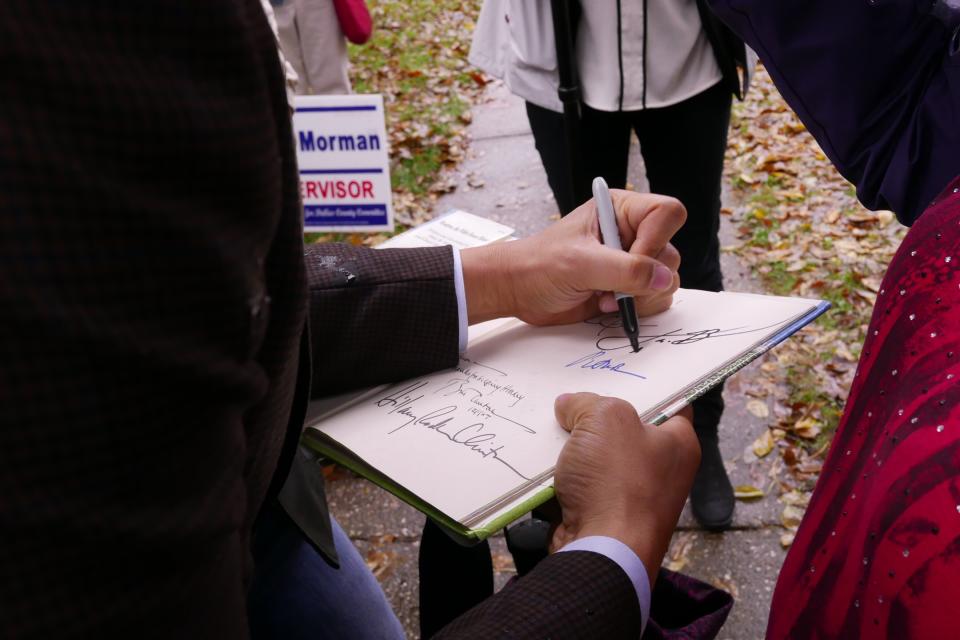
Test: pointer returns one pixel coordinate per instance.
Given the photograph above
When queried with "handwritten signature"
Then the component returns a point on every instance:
(442, 421)
(597, 361)
(612, 324)
(458, 387)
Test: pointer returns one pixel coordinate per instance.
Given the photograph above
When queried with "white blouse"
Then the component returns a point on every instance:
(659, 59)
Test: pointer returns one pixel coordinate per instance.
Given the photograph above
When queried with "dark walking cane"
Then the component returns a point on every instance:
(569, 92)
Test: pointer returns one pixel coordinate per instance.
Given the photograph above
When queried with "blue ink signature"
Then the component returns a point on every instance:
(597, 361)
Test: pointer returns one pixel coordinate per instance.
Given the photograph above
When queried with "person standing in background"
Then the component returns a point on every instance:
(313, 42)
(666, 70)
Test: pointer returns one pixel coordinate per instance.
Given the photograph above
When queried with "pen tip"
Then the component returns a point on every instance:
(635, 343)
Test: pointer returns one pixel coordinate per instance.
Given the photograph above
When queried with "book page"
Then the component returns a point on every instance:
(458, 229)
(463, 438)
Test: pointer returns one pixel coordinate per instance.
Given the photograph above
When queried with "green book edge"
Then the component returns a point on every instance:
(459, 532)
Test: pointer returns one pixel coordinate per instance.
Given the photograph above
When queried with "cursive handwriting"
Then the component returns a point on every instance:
(611, 338)
(402, 398)
(443, 421)
(485, 366)
(598, 362)
(489, 385)
(458, 387)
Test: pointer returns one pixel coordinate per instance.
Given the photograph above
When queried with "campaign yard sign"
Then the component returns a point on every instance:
(344, 172)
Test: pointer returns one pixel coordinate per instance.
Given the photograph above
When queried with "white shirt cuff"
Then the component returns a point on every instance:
(461, 297)
(627, 560)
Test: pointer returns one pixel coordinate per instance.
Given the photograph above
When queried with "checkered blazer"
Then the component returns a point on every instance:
(154, 361)
(581, 594)
(575, 594)
(154, 303)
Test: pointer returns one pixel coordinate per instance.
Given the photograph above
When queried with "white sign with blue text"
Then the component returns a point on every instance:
(344, 169)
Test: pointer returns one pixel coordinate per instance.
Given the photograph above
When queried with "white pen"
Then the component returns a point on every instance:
(611, 238)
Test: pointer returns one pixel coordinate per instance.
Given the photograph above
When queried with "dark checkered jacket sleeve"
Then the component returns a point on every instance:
(379, 315)
(152, 306)
(575, 594)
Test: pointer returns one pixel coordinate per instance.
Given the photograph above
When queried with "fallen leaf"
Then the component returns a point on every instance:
(843, 352)
(747, 492)
(869, 296)
(503, 563)
(479, 78)
(796, 498)
(787, 539)
(791, 517)
(727, 584)
(807, 428)
(758, 408)
(380, 562)
(679, 554)
(764, 444)
(885, 217)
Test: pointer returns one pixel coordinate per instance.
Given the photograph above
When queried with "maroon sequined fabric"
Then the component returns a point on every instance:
(878, 553)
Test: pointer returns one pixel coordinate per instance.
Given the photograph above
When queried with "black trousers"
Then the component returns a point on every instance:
(683, 147)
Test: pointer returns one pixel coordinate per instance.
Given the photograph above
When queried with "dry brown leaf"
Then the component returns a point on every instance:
(727, 584)
(843, 352)
(679, 554)
(758, 408)
(380, 562)
(791, 517)
(503, 563)
(807, 428)
(796, 498)
(764, 444)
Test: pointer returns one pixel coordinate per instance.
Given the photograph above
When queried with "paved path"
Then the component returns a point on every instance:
(744, 560)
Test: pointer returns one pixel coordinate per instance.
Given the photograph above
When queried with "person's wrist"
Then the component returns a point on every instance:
(635, 533)
(486, 283)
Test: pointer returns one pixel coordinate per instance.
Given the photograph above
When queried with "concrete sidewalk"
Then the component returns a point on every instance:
(509, 185)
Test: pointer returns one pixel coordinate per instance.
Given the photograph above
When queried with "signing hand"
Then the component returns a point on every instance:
(620, 478)
(555, 276)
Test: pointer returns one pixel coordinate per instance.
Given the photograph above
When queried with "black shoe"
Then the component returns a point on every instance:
(528, 542)
(712, 494)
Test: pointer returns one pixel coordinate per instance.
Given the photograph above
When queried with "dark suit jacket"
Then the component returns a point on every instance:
(154, 360)
(154, 300)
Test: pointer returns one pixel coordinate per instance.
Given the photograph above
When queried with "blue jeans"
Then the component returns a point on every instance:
(295, 594)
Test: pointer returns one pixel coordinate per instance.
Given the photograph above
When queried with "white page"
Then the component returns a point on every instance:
(462, 438)
(458, 228)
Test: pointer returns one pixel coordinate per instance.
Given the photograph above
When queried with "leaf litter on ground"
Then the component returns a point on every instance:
(801, 230)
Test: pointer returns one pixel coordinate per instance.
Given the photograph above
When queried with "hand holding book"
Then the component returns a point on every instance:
(620, 478)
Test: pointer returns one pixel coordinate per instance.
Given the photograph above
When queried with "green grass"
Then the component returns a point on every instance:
(778, 280)
(414, 174)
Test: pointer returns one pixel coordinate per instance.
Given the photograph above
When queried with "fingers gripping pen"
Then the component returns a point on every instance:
(611, 238)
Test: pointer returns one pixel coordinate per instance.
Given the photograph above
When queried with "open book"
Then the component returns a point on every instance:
(475, 447)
